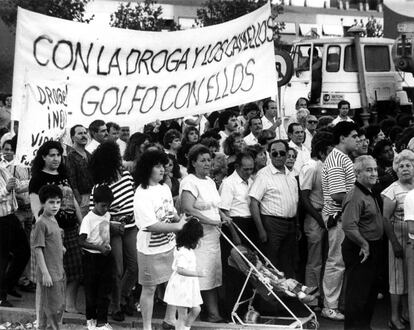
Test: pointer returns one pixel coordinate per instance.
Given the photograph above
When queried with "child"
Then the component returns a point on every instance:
(183, 289)
(49, 250)
(97, 261)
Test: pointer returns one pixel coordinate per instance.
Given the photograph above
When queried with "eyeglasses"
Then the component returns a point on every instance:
(312, 121)
(278, 153)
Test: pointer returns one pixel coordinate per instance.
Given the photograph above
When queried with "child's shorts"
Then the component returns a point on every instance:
(154, 269)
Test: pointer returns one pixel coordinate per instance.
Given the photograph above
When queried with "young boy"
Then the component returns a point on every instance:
(97, 262)
(49, 250)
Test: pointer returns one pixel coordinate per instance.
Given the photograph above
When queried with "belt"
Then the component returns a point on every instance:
(280, 218)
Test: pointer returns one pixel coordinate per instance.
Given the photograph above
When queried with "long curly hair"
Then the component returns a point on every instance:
(149, 159)
(38, 163)
(190, 234)
(106, 163)
(132, 150)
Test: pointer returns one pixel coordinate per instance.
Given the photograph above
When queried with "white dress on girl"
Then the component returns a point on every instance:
(183, 291)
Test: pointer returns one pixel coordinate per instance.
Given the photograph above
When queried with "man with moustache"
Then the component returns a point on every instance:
(363, 227)
(77, 165)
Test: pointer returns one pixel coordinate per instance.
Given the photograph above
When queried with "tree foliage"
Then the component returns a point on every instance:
(220, 11)
(144, 16)
(73, 10)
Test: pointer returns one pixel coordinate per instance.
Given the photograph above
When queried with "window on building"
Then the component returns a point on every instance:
(350, 61)
(377, 58)
(333, 58)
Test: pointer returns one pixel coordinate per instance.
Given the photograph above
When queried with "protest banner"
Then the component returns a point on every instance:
(44, 117)
(130, 76)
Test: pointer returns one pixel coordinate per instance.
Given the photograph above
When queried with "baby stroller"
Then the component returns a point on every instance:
(270, 284)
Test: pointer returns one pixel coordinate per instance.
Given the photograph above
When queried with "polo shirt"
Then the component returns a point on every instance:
(234, 193)
(361, 212)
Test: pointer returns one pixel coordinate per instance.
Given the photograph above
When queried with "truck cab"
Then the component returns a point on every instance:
(326, 72)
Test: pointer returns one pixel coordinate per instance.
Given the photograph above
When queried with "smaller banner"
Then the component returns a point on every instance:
(44, 117)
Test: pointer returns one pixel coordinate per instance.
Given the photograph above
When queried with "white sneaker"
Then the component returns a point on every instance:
(106, 326)
(91, 324)
(332, 314)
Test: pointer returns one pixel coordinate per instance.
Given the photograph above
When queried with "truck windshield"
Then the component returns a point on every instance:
(377, 58)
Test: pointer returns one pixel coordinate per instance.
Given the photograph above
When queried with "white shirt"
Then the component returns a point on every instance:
(280, 131)
(96, 228)
(122, 146)
(302, 158)
(308, 140)
(91, 147)
(250, 139)
(310, 178)
(339, 119)
(153, 205)
(234, 193)
(223, 137)
(409, 209)
(277, 192)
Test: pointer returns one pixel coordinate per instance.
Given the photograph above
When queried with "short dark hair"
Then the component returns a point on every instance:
(12, 143)
(278, 141)
(103, 194)
(321, 141)
(210, 142)
(73, 130)
(265, 135)
(193, 154)
(148, 160)
(372, 131)
(242, 155)
(266, 103)
(112, 124)
(301, 98)
(250, 107)
(343, 102)
(379, 148)
(361, 131)
(254, 118)
(343, 128)
(224, 118)
(291, 126)
(49, 191)
(190, 234)
(94, 126)
(169, 137)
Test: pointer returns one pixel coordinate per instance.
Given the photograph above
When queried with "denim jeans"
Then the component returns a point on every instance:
(314, 234)
(334, 266)
(124, 253)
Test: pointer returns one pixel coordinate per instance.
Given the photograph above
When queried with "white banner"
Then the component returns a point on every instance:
(44, 117)
(134, 77)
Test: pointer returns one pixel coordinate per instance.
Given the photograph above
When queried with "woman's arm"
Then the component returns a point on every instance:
(77, 210)
(35, 205)
(187, 205)
(166, 227)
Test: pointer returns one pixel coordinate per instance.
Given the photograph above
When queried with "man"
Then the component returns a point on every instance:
(255, 127)
(113, 135)
(310, 184)
(249, 110)
(78, 167)
(14, 247)
(362, 246)
(99, 133)
(227, 122)
(273, 204)
(124, 133)
(296, 136)
(338, 178)
(271, 121)
(362, 144)
(343, 108)
(311, 124)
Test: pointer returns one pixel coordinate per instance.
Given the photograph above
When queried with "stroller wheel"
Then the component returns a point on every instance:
(312, 325)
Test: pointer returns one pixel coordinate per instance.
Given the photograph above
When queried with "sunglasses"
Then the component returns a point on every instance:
(278, 153)
(312, 121)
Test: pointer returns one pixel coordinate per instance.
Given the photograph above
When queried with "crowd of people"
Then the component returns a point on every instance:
(329, 203)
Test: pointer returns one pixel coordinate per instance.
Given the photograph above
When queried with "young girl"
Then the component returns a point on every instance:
(183, 289)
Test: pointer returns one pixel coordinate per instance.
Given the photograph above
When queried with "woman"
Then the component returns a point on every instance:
(191, 137)
(156, 219)
(172, 175)
(106, 168)
(48, 168)
(200, 198)
(134, 149)
(397, 232)
(232, 146)
(291, 158)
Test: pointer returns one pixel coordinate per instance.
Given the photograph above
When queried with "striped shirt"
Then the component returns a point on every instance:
(8, 202)
(338, 176)
(123, 203)
(277, 192)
